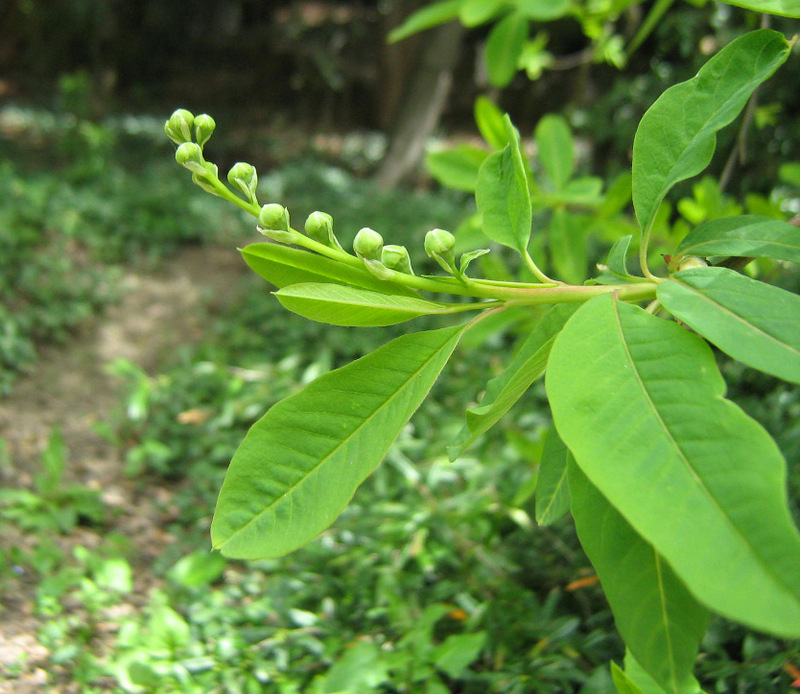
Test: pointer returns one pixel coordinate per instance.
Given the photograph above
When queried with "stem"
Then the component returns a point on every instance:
(536, 271)
(643, 247)
(576, 294)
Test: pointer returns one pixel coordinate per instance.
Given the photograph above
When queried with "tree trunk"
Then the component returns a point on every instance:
(424, 99)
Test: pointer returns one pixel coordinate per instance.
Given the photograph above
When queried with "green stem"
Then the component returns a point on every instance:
(535, 269)
(643, 248)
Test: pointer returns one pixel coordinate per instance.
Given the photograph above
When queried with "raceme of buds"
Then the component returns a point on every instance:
(439, 245)
(396, 258)
(204, 126)
(179, 126)
(319, 226)
(190, 155)
(368, 244)
(243, 176)
(274, 217)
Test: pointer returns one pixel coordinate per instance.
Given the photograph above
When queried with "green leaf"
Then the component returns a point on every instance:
(503, 48)
(476, 12)
(556, 149)
(568, 249)
(753, 322)
(458, 651)
(301, 463)
(677, 136)
(361, 666)
(458, 167)
(502, 392)
(337, 304)
(639, 402)
(489, 119)
(543, 10)
(426, 18)
(284, 266)
(552, 490)
(663, 624)
(645, 683)
(785, 8)
(586, 191)
(503, 197)
(745, 235)
(623, 683)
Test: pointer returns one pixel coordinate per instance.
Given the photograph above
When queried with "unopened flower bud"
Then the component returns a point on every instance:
(274, 217)
(204, 126)
(691, 262)
(319, 226)
(190, 155)
(368, 243)
(439, 245)
(179, 126)
(396, 258)
(243, 176)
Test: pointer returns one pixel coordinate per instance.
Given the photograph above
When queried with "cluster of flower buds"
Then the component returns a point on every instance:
(191, 133)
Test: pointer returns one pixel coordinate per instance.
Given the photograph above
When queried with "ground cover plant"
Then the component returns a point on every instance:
(678, 497)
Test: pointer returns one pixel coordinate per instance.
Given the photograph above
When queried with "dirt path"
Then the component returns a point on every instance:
(72, 389)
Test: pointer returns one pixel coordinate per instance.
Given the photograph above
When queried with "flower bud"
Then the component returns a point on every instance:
(319, 226)
(439, 245)
(179, 126)
(396, 258)
(690, 262)
(190, 155)
(368, 244)
(204, 126)
(243, 176)
(273, 217)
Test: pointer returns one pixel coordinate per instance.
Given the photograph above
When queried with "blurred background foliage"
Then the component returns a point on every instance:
(435, 579)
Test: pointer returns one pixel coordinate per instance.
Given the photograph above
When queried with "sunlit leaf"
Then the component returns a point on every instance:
(504, 47)
(301, 463)
(745, 235)
(556, 151)
(337, 304)
(426, 18)
(756, 323)
(663, 624)
(676, 138)
(640, 403)
(503, 197)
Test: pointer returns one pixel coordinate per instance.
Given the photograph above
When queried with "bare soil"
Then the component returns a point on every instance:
(72, 388)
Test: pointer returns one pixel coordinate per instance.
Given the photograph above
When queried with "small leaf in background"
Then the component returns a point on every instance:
(198, 569)
(569, 253)
(284, 266)
(745, 235)
(641, 407)
(475, 12)
(556, 150)
(337, 304)
(301, 463)
(659, 620)
(458, 652)
(754, 322)
(785, 8)
(426, 18)
(503, 48)
(676, 137)
(489, 119)
(503, 197)
(457, 167)
(360, 666)
(552, 490)
(543, 10)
